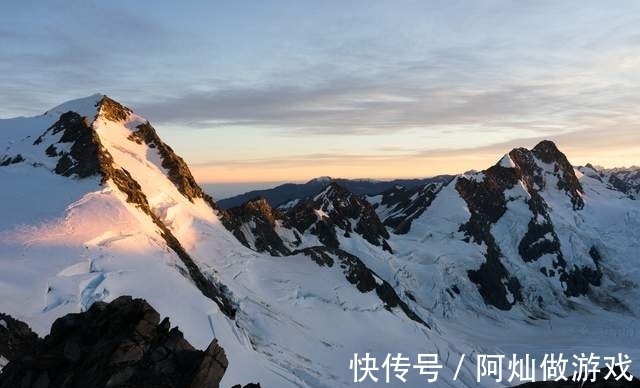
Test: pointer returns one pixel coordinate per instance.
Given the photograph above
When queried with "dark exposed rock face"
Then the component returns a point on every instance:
(16, 338)
(547, 152)
(260, 218)
(541, 238)
(487, 204)
(88, 157)
(129, 186)
(178, 171)
(625, 180)
(621, 184)
(112, 110)
(7, 160)
(336, 208)
(486, 200)
(120, 344)
(84, 158)
(405, 205)
(331, 212)
(358, 274)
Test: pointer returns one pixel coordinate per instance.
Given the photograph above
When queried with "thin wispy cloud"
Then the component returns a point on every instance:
(357, 108)
(280, 84)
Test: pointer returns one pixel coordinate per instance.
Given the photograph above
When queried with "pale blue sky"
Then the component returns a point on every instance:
(278, 90)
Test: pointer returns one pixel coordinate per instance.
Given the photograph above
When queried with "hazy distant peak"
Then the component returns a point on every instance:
(321, 179)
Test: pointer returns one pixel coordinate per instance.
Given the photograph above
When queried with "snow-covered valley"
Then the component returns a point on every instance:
(531, 256)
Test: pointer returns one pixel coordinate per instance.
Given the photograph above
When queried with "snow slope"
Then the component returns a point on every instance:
(67, 241)
(565, 233)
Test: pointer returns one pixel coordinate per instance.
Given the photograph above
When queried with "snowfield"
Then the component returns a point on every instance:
(67, 242)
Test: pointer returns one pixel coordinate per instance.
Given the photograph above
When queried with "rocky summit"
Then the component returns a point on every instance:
(119, 344)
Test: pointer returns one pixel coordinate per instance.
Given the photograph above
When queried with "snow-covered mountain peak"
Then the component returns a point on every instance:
(97, 135)
(336, 207)
(112, 110)
(135, 167)
(548, 152)
(331, 218)
(86, 107)
(526, 199)
(543, 167)
(427, 268)
(321, 179)
(92, 107)
(333, 191)
(256, 225)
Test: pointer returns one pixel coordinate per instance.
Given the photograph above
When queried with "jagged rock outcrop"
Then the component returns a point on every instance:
(332, 211)
(625, 179)
(336, 210)
(79, 149)
(358, 274)
(253, 224)
(400, 206)
(87, 157)
(73, 146)
(112, 110)
(486, 202)
(486, 198)
(80, 152)
(16, 338)
(547, 152)
(8, 160)
(119, 344)
(178, 171)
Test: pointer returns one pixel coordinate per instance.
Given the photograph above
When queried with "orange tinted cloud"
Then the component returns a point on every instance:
(596, 147)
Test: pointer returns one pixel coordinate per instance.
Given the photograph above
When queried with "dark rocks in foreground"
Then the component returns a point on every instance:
(16, 338)
(120, 344)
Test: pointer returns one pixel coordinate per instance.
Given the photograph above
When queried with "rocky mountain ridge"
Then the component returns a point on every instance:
(453, 266)
(625, 180)
(120, 344)
(280, 195)
(521, 176)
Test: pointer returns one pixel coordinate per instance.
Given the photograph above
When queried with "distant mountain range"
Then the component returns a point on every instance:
(530, 256)
(281, 194)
